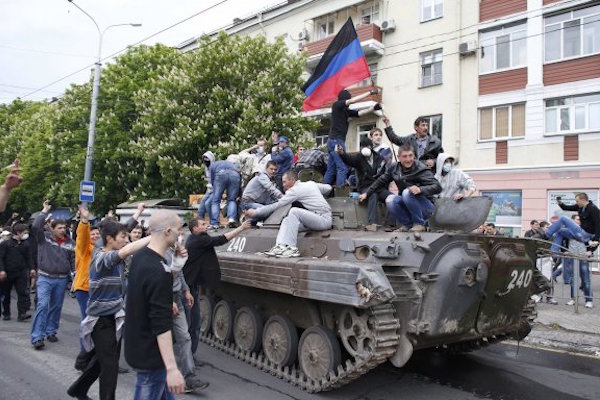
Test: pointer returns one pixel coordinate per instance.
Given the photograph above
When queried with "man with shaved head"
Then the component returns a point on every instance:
(149, 342)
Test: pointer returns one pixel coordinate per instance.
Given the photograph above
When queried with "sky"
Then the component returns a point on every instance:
(42, 41)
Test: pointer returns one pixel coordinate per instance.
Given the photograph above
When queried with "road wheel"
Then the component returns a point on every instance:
(247, 329)
(206, 305)
(222, 321)
(357, 333)
(280, 341)
(319, 352)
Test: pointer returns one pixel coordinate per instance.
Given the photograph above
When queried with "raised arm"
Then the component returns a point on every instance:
(13, 179)
(133, 247)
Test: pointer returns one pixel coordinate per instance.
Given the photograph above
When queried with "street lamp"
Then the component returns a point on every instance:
(87, 175)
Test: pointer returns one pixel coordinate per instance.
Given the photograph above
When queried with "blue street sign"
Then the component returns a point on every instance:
(86, 191)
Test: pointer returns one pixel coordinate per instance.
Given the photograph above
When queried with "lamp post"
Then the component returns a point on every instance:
(87, 175)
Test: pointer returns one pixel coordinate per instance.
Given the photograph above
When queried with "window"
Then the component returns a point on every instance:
(322, 132)
(370, 13)
(572, 34)
(503, 48)
(431, 9)
(372, 78)
(435, 125)
(363, 131)
(325, 27)
(573, 114)
(502, 122)
(431, 68)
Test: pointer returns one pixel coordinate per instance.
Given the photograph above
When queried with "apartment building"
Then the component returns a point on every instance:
(511, 87)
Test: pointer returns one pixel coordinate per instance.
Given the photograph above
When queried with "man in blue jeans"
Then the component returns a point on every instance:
(416, 185)
(340, 115)
(224, 176)
(565, 228)
(55, 260)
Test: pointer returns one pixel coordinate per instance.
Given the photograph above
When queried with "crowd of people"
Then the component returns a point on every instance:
(143, 285)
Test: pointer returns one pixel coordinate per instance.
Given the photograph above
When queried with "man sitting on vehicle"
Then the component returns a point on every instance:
(261, 190)
(315, 213)
(416, 185)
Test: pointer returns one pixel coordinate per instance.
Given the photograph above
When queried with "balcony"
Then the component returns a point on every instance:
(354, 91)
(370, 37)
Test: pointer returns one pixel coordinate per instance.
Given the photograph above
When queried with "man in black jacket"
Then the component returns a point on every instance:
(16, 265)
(369, 166)
(426, 147)
(416, 185)
(565, 228)
(202, 265)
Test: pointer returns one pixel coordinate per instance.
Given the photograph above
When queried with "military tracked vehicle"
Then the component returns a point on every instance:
(355, 298)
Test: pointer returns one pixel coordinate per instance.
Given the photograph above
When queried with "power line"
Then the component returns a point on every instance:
(125, 48)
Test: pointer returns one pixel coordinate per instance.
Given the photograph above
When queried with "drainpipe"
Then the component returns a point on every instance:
(459, 80)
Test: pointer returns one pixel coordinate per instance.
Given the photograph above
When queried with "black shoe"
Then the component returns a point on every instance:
(193, 384)
(52, 339)
(23, 317)
(38, 345)
(71, 393)
(6, 318)
(123, 370)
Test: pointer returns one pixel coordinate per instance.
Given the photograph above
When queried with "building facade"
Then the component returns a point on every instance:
(511, 87)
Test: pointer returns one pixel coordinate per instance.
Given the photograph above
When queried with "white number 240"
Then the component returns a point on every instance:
(520, 280)
(237, 244)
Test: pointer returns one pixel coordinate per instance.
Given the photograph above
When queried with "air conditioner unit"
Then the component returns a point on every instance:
(303, 35)
(388, 25)
(467, 48)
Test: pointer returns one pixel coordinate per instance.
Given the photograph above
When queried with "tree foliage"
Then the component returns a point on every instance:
(158, 111)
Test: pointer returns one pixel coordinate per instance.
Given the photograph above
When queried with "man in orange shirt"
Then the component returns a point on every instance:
(87, 237)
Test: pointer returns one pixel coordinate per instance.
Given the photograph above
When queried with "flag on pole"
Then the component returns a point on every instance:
(343, 64)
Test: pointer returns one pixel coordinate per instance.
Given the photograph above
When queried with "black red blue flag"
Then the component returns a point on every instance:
(343, 64)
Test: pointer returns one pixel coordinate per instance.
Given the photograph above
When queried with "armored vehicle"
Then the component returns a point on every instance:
(355, 298)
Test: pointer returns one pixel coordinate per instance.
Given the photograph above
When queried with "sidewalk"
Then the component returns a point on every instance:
(558, 326)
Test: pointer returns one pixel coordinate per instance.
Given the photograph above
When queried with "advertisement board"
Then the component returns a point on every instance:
(507, 207)
(568, 197)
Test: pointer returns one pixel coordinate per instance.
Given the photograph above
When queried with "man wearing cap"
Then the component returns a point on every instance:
(283, 157)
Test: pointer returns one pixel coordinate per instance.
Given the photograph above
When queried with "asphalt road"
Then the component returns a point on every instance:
(497, 372)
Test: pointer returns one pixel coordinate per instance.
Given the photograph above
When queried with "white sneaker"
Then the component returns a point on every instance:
(289, 252)
(277, 250)
(571, 302)
(589, 304)
(536, 298)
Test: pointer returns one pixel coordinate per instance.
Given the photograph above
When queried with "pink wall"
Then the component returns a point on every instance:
(534, 186)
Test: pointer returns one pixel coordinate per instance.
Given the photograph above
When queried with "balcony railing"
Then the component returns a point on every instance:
(357, 91)
(370, 37)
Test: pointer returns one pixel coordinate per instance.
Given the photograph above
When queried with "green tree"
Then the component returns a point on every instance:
(222, 97)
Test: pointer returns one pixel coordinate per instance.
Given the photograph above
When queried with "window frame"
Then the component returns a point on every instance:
(360, 132)
(371, 6)
(326, 20)
(510, 136)
(430, 118)
(433, 17)
(571, 105)
(432, 53)
(561, 32)
(494, 34)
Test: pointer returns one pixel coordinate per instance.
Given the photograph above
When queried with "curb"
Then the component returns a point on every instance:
(558, 338)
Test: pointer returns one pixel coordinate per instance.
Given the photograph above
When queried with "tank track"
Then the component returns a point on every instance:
(386, 326)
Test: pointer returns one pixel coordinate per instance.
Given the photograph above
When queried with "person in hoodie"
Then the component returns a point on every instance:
(369, 166)
(55, 260)
(416, 185)
(455, 183)
(340, 115)
(208, 159)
